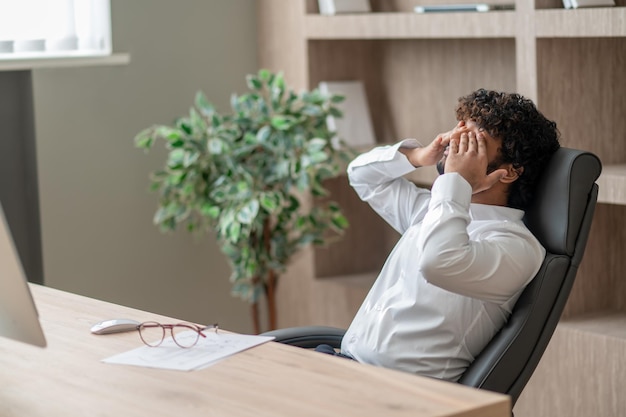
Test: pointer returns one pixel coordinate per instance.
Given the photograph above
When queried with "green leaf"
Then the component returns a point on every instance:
(175, 159)
(160, 215)
(306, 239)
(340, 221)
(234, 231)
(303, 181)
(188, 190)
(282, 168)
(317, 189)
(174, 137)
(312, 111)
(144, 139)
(305, 161)
(250, 138)
(197, 122)
(167, 133)
(301, 222)
(334, 111)
(333, 207)
(248, 213)
(316, 144)
(218, 195)
(281, 122)
(190, 158)
(210, 211)
(336, 98)
(183, 124)
(318, 157)
(264, 75)
(203, 104)
(215, 146)
(234, 102)
(263, 134)
(242, 187)
(254, 83)
(269, 202)
(314, 97)
(279, 81)
(216, 121)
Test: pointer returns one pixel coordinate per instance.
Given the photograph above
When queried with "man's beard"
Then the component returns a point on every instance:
(441, 166)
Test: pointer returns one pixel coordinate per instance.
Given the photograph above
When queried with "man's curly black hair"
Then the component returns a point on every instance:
(528, 138)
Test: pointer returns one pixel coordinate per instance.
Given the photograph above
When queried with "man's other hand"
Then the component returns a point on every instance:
(468, 157)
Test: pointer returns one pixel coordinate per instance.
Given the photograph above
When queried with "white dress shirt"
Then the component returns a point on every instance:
(451, 280)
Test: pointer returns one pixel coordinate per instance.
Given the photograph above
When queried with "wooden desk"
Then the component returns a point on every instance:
(68, 378)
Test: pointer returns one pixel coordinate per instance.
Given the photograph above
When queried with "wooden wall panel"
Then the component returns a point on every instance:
(281, 42)
(413, 85)
(581, 373)
(423, 79)
(600, 280)
(583, 88)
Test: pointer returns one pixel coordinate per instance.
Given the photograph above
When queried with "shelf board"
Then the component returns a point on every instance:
(606, 323)
(612, 185)
(64, 62)
(581, 23)
(498, 24)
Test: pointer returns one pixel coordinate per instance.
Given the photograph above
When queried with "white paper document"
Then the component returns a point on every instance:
(207, 351)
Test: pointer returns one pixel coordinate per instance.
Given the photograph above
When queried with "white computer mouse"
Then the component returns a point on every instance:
(114, 326)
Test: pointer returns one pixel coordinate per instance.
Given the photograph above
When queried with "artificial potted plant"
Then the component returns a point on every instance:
(244, 175)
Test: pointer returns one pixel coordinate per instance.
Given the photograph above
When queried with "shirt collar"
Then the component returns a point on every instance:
(491, 212)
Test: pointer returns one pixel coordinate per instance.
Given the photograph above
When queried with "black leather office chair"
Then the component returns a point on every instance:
(560, 218)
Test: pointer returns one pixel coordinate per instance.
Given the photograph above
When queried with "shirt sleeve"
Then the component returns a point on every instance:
(377, 177)
(493, 266)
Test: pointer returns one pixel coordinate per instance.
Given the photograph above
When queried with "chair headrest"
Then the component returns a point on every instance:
(561, 198)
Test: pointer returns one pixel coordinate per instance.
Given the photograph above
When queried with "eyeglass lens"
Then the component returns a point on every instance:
(153, 333)
(185, 336)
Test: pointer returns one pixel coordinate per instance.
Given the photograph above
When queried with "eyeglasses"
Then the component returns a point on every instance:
(184, 335)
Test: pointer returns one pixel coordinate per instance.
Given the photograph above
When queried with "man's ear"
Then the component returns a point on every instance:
(512, 174)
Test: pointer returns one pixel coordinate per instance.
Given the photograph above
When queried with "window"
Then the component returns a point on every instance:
(54, 28)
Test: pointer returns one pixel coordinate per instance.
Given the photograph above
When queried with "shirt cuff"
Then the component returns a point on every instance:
(393, 162)
(451, 187)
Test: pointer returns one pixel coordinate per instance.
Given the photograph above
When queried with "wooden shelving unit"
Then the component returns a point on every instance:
(589, 23)
(414, 67)
(612, 185)
(411, 26)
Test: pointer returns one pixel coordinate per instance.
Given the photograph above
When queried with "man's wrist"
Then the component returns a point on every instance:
(408, 147)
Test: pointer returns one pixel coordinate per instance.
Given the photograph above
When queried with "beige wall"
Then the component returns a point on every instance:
(98, 236)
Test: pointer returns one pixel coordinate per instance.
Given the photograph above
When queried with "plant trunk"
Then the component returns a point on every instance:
(270, 296)
(256, 321)
(270, 293)
(271, 279)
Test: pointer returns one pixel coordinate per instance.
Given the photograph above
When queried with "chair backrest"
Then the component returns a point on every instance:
(560, 218)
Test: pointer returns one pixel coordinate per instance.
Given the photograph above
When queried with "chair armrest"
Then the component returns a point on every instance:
(308, 336)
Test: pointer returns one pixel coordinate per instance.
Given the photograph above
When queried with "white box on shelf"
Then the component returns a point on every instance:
(455, 8)
(331, 7)
(355, 127)
(575, 4)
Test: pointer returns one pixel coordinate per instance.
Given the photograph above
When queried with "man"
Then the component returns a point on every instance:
(465, 255)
